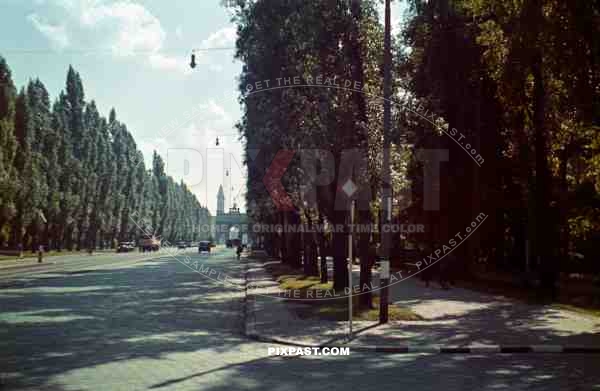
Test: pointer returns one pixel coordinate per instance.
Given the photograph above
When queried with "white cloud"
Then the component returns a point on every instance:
(168, 63)
(136, 28)
(217, 110)
(126, 28)
(224, 37)
(56, 34)
(221, 38)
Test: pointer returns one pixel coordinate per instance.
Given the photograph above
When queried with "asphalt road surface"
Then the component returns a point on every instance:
(123, 322)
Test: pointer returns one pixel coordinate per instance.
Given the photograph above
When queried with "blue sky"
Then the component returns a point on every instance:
(134, 55)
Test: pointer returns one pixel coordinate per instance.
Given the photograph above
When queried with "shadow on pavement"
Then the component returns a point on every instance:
(53, 324)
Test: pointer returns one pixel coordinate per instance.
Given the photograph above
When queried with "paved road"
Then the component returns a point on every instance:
(157, 325)
(10, 269)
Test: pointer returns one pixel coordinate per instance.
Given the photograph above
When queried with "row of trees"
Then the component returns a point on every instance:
(518, 81)
(70, 178)
(521, 82)
(308, 39)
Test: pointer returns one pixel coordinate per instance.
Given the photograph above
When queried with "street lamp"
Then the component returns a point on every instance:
(193, 61)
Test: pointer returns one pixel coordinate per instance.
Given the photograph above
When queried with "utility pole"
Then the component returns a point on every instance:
(386, 191)
(350, 258)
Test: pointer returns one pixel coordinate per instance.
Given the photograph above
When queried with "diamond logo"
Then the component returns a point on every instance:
(349, 188)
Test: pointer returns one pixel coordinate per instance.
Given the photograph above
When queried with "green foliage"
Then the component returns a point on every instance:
(518, 80)
(83, 173)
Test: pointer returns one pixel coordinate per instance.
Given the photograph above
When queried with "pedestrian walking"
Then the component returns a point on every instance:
(40, 253)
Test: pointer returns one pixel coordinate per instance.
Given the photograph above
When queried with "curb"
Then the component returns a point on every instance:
(509, 349)
(283, 341)
(435, 349)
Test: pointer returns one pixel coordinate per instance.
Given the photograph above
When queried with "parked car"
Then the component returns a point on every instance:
(204, 246)
(125, 247)
(181, 245)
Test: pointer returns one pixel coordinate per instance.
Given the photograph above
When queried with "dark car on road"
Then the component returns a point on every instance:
(181, 245)
(125, 247)
(204, 246)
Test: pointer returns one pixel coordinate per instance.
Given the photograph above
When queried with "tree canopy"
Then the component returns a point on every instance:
(83, 173)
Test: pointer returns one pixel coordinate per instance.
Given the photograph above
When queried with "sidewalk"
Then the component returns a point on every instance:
(30, 259)
(456, 317)
(270, 316)
(460, 317)
(23, 264)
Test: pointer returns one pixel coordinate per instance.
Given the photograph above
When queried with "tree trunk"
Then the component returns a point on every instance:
(69, 237)
(294, 239)
(310, 248)
(34, 234)
(366, 260)
(544, 222)
(563, 206)
(283, 253)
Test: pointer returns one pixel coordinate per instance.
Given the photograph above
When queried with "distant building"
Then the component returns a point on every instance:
(231, 225)
(220, 201)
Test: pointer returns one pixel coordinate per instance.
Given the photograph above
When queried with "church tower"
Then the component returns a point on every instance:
(220, 201)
